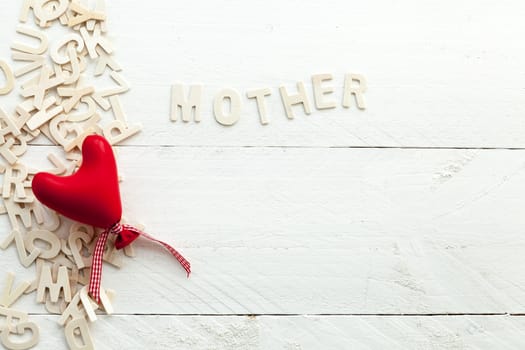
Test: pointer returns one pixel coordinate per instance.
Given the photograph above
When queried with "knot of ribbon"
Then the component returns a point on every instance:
(125, 235)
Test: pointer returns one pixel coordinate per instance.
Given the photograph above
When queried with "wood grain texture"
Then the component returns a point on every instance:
(436, 77)
(296, 333)
(296, 219)
(294, 231)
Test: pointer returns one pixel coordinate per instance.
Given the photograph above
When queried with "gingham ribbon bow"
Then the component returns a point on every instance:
(125, 235)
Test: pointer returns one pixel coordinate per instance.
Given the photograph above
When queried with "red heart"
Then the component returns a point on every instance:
(91, 195)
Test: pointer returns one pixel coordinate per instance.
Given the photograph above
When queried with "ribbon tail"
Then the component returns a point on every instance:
(96, 268)
(182, 261)
(125, 235)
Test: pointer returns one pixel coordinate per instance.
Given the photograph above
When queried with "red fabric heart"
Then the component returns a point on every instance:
(91, 195)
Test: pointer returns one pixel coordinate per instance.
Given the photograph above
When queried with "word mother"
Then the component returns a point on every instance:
(185, 104)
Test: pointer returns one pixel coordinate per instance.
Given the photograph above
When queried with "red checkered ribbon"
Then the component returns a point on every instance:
(125, 235)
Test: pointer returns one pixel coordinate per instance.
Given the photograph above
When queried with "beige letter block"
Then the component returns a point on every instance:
(25, 259)
(24, 13)
(12, 318)
(43, 217)
(21, 330)
(79, 326)
(291, 100)
(74, 94)
(40, 36)
(76, 240)
(8, 125)
(46, 282)
(116, 131)
(356, 91)
(16, 176)
(92, 41)
(122, 87)
(84, 15)
(69, 39)
(235, 107)
(91, 107)
(13, 147)
(75, 309)
(46, 236)
(9, 78)
(259, 95)
(34, 283)
(75, 67)
(186, 106)
(87, 302)
(321, 92)
(47, 111)
(119, 130)
(35, 62)
(39, 90)
(44, 14)
(105, 60)
(9, 296)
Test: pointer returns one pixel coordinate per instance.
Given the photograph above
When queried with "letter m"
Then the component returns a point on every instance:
(185, 105)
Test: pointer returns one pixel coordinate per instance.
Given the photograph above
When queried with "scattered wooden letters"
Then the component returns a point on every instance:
(61, 105)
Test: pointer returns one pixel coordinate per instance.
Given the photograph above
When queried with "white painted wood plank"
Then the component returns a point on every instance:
(320, 231)
(437, 77)
(295, 231)
(296, 333)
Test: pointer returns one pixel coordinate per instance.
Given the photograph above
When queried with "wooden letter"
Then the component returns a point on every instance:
(41, 37)
(25, 259)
(75, 244)
(356, 91)
(87, 302)
(79, 326)
(83, 14)
(9, 78)
(46, 236)
(45, 15)
(12, 317)
(16, 176)
(259, 95)
(21, 329)
(9, 296)
(35, 62)
(39, 90)
(45, 218)
(70, 39)
(24, 13)
(186, 105)
(46, 282)
(75, 309)
(105, 60)
(289, 101)
(118, 130)
(74, 94)
(122, 87)
(92, 41)
(8, 125)
(235, 107)
(320, 92)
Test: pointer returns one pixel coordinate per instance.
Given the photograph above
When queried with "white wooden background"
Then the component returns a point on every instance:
(398, 227)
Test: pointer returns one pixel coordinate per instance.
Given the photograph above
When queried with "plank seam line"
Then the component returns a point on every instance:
(309, 315)
(317, 147)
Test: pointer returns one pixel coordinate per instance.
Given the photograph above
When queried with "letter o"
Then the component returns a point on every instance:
(235, 107)
(9, 78)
